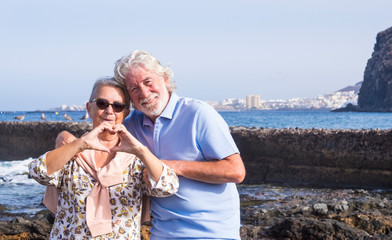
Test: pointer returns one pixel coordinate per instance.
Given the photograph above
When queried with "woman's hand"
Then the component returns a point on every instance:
(128, 143)
(91, 139)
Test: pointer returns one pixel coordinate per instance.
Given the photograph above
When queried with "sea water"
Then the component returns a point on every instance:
(309, 119)
(260, 119)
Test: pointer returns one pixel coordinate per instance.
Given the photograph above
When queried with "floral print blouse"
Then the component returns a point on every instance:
(74, 186)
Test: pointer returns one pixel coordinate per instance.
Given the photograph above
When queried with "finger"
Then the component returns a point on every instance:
(119, 128)
(109, 129)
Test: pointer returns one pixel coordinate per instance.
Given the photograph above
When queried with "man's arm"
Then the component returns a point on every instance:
(229, 169)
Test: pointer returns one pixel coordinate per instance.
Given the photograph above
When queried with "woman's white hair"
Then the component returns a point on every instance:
(111, 82)
(142, 58)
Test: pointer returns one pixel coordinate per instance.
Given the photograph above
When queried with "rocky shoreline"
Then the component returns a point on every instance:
(336, 214)
(329, 214)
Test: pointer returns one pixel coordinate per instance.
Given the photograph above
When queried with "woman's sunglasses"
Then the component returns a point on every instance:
(103, 104)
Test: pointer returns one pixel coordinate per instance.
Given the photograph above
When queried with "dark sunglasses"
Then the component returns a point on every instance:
(103, 104)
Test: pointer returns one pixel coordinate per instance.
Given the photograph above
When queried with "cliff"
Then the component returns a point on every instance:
(376, 90)
(313, 157)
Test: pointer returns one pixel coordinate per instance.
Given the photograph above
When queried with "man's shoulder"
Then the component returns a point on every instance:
(192, 104)
(133, 116)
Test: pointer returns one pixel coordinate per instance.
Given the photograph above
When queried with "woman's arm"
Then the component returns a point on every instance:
(58, 157)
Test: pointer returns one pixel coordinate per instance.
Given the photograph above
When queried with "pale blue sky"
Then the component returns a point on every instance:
(51, 52)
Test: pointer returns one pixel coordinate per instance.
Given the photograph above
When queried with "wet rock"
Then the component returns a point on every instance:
(341, 207)
(320, 208)
(330, 214)
(306, 228)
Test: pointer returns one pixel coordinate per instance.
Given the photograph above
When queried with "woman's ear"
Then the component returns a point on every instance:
(88, 106)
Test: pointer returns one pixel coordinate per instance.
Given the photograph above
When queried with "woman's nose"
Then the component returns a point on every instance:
(109, 109)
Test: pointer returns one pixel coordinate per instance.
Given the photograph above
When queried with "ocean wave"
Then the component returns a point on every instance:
(15, 172)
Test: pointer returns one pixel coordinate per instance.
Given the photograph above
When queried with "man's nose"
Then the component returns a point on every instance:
(144, 91)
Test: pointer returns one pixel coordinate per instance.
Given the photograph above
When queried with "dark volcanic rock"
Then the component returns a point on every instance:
(37, 227)
(316, 157)
(376, 91)
(307, 228)
(350, 214)
(31, 139)
(349, 108)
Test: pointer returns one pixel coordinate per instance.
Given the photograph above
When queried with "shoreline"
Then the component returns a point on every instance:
(335, 214)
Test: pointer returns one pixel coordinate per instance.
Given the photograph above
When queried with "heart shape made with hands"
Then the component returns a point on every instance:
(127, 142)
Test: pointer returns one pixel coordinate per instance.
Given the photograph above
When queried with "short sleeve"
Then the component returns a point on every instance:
(213, 134)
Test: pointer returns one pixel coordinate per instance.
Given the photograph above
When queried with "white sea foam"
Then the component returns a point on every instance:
(18, 193)
(12, 172)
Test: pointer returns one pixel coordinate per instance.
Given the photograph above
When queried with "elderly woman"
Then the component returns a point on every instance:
(100, 176)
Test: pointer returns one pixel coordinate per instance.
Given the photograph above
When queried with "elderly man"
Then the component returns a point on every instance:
(194, 140)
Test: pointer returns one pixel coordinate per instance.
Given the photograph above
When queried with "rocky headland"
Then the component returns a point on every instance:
(375, 94)
(354, 168)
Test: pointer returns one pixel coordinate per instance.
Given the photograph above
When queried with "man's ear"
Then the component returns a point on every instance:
(166, 79)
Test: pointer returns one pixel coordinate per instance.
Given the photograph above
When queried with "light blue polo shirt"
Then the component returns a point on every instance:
(190, 130)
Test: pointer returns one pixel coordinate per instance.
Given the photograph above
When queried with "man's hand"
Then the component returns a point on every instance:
(64, 138)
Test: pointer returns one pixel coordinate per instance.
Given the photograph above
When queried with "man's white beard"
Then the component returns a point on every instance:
(156, 108)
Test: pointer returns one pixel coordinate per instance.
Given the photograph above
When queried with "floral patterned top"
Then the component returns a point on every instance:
(74, 186)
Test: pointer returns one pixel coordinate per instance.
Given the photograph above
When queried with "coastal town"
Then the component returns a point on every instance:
(253, 102)
(326, 101)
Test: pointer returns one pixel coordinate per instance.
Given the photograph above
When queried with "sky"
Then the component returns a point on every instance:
(51, 52)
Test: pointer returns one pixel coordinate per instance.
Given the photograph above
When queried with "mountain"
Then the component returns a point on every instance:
(354, 88)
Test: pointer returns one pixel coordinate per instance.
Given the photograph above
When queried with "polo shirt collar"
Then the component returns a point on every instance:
(167, 112)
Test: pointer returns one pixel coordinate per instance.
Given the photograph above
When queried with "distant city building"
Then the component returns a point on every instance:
(322, 102)
(253, 102)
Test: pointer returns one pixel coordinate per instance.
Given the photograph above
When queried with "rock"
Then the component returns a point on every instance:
(376, 90)
(320, 208)
(348, 108)
(305, 228)
(286, 217)
(342, 206)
